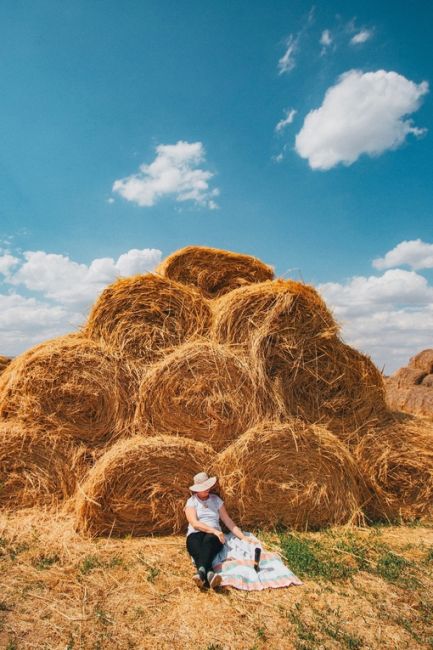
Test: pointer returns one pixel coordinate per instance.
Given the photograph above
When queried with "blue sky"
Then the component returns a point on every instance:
(192, 94)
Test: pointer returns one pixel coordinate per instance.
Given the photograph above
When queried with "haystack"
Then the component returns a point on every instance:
(142, 317)
(396, 462)
(423, 361)
(70, 386)
(417, 400)
(215, 272)
(290, 474)
(140, 486)
(36, 468)
(331, 383)
(202, 391)
(274, 320)
(4, 362)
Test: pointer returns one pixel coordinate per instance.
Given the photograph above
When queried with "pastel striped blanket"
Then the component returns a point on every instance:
(235, 563)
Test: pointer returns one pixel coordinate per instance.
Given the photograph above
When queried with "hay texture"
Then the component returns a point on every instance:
(140, 486)
(36, 468)
(202, 391)
(215, 272)
(4, 362)
(142, 317)
(273, 320)
(417, 400)
(69, 385)
(423, 361)
(396, 462)
(331, 383)
(290, 474)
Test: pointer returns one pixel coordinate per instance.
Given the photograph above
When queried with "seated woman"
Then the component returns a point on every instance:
(205, 538)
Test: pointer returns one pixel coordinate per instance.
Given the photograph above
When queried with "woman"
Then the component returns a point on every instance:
(204, 537)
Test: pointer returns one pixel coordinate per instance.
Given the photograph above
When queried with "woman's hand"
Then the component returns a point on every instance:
(220, 535)
(249, 540)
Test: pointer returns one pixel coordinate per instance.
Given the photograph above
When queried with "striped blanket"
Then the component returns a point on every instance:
(235, 563)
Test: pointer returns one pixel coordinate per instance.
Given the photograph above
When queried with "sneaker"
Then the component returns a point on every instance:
(198, 580)
(214, 579)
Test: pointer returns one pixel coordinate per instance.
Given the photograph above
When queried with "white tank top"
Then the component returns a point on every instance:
(207, 511)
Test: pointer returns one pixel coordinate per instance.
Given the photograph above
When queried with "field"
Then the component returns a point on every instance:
(363, 588)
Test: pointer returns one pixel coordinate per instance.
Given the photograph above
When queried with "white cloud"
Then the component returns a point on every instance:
(362, 114)
(389, 317)
(174, 172)
(287, 61)
(326, 38)
(7, 262)
(361, 37)
(415, 253)
(288, 119)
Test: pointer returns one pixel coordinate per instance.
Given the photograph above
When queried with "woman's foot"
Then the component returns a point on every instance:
(198, 580)
(214, 579)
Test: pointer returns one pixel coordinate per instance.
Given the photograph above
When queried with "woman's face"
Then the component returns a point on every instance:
(203, 495)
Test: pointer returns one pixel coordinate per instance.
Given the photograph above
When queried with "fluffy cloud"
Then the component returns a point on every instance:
(288, 119)
(415, 253)
(287, 61)
(389, 317)
(174, 172)
(361, 37)
(66, 290)
(362, 113)
(326, 38)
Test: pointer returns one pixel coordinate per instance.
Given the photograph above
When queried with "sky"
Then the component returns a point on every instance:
(298, 133)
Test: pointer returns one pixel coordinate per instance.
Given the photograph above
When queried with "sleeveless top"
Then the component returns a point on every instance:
(207, 511)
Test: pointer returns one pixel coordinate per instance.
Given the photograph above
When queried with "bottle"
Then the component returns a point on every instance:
(257, 554)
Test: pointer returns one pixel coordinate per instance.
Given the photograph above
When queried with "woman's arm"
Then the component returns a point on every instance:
(224, 516)
(191, 516)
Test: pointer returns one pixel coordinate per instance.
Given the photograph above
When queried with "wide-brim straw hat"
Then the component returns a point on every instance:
(202, 482)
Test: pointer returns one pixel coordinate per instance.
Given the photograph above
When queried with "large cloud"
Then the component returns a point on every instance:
(415, 253)
(175, 173)
(364, 113)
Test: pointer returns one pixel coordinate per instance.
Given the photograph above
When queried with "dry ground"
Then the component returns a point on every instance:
(364, 588)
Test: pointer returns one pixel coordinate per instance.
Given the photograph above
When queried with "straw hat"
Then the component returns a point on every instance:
(202, 482)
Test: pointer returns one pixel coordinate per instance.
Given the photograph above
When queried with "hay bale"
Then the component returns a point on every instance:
(215, 272)
(335, 385)
(70, 385)
(273, 320)
(202, 391)
(407, 377)
(4, 362)
(290, 474)
(423, 361)
(417, 400)
(142, 317)
(36, 468)
(396, 462)
(428, 381)
(139, 487)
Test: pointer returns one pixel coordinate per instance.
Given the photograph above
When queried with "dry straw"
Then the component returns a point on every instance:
(215, 272)
(4, 362)
(143, 316)
(290, 474)
(70, 385)
(36, 468)
(202, 391)
(140, 486)
(396, 462)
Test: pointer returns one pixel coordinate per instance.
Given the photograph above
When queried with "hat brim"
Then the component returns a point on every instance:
(206, 485)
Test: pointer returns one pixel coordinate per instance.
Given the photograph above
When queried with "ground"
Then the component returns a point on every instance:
(363, 588)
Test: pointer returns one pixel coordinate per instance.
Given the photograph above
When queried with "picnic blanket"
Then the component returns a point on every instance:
(235, 563)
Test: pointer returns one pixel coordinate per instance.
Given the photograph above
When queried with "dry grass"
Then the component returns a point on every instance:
(64, 591)
(202, 391)
(69, 385)
(215, 272)
(140, 486)
(142, 317)
(4, 362)
(290, 474)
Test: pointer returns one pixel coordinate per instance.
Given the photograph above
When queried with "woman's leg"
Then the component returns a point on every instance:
(193, 544)
(209, 547)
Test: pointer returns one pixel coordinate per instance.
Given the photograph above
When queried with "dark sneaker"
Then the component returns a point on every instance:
(198, 580)
(214, 579)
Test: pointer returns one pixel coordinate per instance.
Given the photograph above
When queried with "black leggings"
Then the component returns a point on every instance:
(203, 547)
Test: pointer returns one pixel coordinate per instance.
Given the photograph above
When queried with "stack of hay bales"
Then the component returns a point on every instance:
(208, 364)
(410, 388)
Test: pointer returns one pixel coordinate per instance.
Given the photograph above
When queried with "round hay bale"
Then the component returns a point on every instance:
(428, 381)
(202, 391)
(36, 468)
(273, 320)
(144, 316)
(417, 400)
(423, 361)
(289, 474)
(215, 272)
(407, 377)
(335, 385)
(4, 362)
(396, 462)
(68, 384)
(139, 487)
